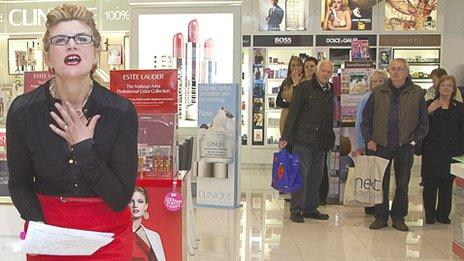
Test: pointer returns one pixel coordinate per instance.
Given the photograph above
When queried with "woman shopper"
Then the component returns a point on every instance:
(295, 75)
(72, 153)
(147, 243)
(444, 140)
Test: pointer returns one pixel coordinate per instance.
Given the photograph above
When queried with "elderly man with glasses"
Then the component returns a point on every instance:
(394, 121)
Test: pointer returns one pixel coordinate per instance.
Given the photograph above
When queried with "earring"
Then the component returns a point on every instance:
(146, 215)
(51, 70)
(94, 68)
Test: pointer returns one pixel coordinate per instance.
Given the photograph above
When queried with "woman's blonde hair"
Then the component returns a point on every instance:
(68, 12)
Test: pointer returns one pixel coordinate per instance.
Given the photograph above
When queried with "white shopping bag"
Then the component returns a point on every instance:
(349, 195)
(369, 171)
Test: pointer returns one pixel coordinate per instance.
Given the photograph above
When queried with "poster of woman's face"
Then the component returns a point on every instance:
(414, 15)
(346, 15)
(282, 15)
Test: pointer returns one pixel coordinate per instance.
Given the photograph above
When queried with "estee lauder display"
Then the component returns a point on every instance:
(154, 161)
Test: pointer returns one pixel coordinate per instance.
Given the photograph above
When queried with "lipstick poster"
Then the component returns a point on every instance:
(412, 15)
(218, 144)
(148, 90)
(346, 15)
(198, 46)
(154, 227)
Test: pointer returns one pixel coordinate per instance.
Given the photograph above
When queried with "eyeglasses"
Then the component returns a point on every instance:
(397, 69)
(78, 39)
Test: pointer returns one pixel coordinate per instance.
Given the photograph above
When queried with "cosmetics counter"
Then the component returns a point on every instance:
(457, 169)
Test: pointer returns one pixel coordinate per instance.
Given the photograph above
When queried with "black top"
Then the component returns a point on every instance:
(444, 140)
(40, 161)
(280, 101)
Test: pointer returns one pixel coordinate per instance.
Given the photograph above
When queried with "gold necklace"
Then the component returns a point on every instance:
(79, 111)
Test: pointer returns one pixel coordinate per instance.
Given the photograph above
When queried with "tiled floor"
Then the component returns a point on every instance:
(261, 230)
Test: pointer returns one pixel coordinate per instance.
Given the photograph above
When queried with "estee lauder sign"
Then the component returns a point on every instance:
(410, 40)
(282, 40)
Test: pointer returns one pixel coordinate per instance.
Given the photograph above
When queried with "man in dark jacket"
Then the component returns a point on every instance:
(394, 120)
(309, 127)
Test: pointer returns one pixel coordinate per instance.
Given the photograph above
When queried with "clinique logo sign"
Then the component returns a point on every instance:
(283, 40)
(216, 143)
(24, 17)
(215, 195)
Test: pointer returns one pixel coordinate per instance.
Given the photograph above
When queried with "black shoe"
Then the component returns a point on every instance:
(323, 203)
(316, 215)
(400, 225)
(444, 220)
(421, 183)
(369, 210)
(378, 224)
(287, 199)
(296, 217)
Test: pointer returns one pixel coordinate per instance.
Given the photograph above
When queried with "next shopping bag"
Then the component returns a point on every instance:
(286, 171)
(368, 177)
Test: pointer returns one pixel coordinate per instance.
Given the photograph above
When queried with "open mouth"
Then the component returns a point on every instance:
(72, 59)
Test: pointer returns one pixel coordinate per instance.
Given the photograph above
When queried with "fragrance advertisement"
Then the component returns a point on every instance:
(284, 15)
(347, 15)
(413, 15)
(198, 46)
(217, 166)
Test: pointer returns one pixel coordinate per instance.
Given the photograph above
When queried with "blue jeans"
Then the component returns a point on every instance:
(311, 170)
(404, 158)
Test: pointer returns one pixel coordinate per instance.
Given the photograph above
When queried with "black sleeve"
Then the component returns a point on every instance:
(422, 126)
(280, 101)
(115, 182)
(294, 110)
(21, 171)
(366, 123)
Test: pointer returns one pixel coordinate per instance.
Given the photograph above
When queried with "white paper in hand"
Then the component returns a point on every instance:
(45, 239)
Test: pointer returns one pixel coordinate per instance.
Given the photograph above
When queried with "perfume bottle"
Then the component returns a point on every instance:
(295, 18)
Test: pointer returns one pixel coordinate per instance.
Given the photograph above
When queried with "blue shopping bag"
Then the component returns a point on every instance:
(286, 171)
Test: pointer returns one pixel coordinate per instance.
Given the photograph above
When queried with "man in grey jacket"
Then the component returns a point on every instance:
(309, 127)
(394, 121)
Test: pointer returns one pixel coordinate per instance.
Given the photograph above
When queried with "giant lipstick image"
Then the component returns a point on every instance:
(209, 65)
(191, 70)
(178, 63)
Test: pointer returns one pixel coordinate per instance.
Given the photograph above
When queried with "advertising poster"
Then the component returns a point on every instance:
(4, 192)
(347, 15)
(385, 55)
(157, 231)
(217, 166)
(148, 90)
(289, 15)
(360, 50)
(33, 80)
(198, 46)
(257, 105)
(414, 15)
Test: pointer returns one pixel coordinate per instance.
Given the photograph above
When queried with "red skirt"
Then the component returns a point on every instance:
(89, 214)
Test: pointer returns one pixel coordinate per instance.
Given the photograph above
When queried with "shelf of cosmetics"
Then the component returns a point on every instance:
(154, 161)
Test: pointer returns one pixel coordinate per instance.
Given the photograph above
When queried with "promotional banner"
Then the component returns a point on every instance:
(289, 15)
(217, 166)
(346, 15)
(148, 90)
(414, 15)
(157, 231)
(385, 55)
(198, 46)
(33, 80)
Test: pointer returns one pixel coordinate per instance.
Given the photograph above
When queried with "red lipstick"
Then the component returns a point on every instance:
(178, 46)
(193, 31)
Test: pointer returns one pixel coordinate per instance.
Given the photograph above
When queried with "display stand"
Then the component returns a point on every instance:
(457, 169)
(154, 95)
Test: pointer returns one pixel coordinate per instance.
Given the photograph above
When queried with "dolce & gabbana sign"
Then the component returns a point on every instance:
(282, 40)
(343, 40)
